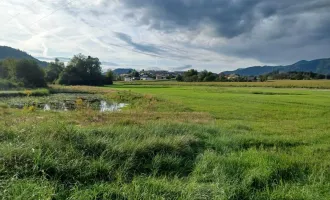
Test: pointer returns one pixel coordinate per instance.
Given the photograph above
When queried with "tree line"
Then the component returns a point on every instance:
(80, 70)
(193, 75)
(294, 75)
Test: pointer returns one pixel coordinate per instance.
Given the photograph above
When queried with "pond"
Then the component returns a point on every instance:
(65, 102)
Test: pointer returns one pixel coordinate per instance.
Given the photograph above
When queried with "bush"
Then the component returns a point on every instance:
(23, 73)
(30, 74)
(7, 84)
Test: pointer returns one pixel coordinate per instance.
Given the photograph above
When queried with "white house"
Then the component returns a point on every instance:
(147, 79)
(128, 79)
(159, 77)
(232, 77)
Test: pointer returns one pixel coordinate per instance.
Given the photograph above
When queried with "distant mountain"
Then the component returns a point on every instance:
(120, 71)
(8, 52)
(320, 66)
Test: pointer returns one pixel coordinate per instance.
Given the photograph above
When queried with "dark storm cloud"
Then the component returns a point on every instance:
(161, 51)
(294, 24)
(140, 47)
(230, 17)
(185, 67)
(109, 63)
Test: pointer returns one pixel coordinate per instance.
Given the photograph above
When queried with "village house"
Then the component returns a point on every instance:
(232, 77)
(160, 77)
(146, 78)
(127, 79)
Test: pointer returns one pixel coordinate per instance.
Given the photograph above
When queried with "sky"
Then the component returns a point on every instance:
(175, 35)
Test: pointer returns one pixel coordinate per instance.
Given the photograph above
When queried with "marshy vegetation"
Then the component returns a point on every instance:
(173, 142)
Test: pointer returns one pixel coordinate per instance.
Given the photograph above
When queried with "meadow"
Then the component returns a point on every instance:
(173, 141)
(313, 84)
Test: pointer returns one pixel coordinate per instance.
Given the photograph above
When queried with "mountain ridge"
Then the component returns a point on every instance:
(120, 71)
(9, 52)
(320, 66)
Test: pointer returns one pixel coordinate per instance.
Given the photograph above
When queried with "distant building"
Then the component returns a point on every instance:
(147, 79)
(159, 77)
(232, 76)
(251, 78)
(128, 79)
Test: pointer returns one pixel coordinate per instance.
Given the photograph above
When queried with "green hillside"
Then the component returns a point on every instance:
(320, 66)
(8, 52)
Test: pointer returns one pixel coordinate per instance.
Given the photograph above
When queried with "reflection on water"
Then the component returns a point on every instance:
(46, 107)
(105, 107)
(64, 108)
(66, 102)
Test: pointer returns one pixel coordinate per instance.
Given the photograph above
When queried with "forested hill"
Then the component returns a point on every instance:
(120, 71)
(320, 66)
(8, 52)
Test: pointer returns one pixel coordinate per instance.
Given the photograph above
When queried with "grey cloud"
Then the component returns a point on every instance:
(230, 18)
(109, 63)
(140, 47)
(161, 51)
(185, 67)
(62, 59)
(299, 29)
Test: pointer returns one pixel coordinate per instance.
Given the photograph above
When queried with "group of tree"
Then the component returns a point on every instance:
(26, 73)
(294, 75)
(81, 70)
(193, 75)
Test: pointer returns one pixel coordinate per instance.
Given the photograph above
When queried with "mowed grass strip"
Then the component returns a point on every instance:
(313, 84)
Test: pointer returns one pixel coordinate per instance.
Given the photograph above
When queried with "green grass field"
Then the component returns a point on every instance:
(174, 141)
(313, 84)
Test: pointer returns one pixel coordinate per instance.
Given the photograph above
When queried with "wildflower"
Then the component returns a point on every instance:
(28, 92)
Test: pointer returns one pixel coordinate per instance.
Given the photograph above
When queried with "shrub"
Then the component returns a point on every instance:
(7, 84)
(29, 73)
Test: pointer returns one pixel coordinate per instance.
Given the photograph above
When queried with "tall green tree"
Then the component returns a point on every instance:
(190, 75)
(9, 65)
(135, 74)
(179, 78)
(54, 70)
(109, 77)
(82, 70)
(3, 71)
(202, 75)
(263, 78)
(29, 73)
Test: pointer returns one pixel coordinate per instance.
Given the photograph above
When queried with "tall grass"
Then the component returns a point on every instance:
(24, 93)
(157, 160)
(225, 144)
